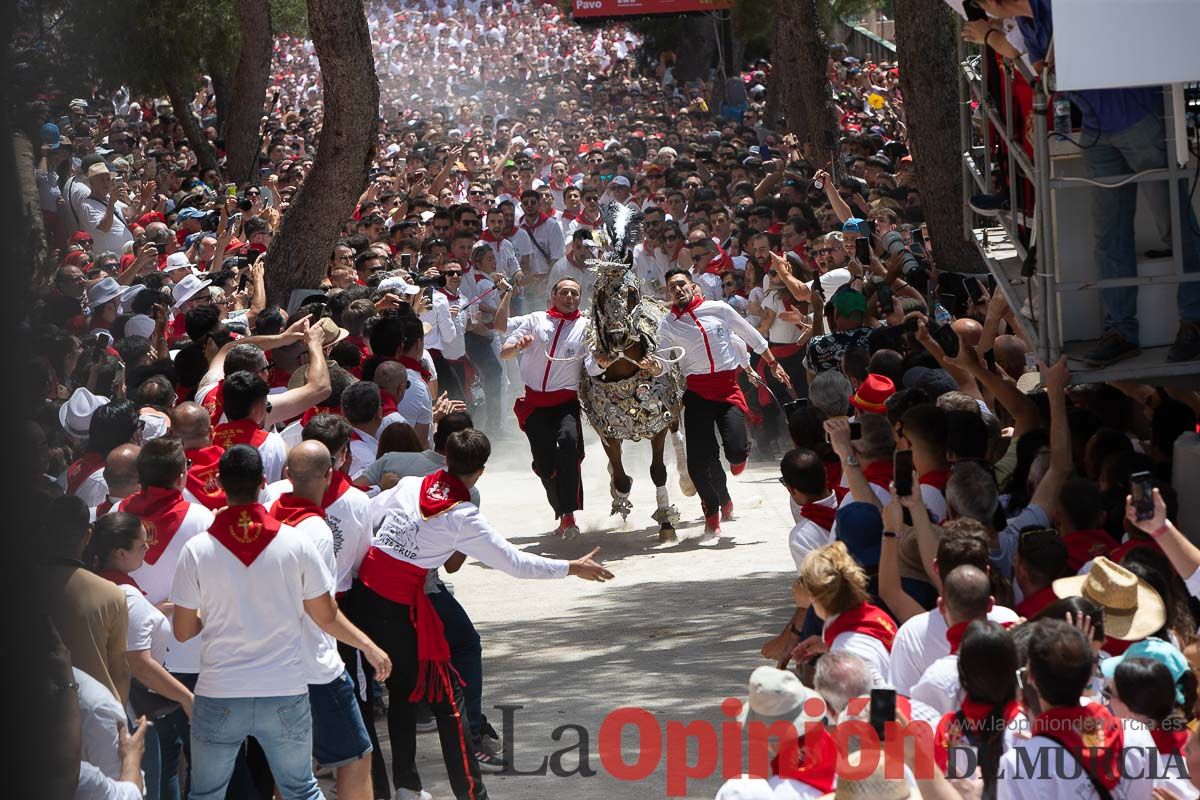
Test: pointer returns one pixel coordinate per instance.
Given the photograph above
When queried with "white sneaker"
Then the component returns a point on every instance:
(409, 794)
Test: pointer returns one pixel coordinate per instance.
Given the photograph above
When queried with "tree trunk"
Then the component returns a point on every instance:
(926, 49)
(805, 103)
(243, 125)
(300, 250)
(182, 106)
(222, 88)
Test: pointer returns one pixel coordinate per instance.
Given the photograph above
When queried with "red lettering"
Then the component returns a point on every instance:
(648, 746)
(678, 769)
(731, 739)
(868, 749)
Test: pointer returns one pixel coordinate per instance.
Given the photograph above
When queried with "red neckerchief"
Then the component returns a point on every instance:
(244, 431)
(245, 531)
(558, 188)
(833, 472)
(277, 378)
(936, 478)
(121, 579)
(82, 468)
(879, 473)
(291, 509)
(690, 308)
(161, 512)
(817, 762)
(542, 219)
(822, 515)
(572, 215)
(104, 507)
(1031, 605)
(214, 402)
(441, 491)
(416, 365)
(447, 294)
(1083, 546)
(554, 313)
(491, 238)
(312, 412)
(1090, 733)
(361, 344)
(718, 263)
(201, 478)
(1119, 552)
(1169, 742)
(954, 635)
(338, 485)
(956, 726)
(389, 403)
(863, 618)
(584, 222)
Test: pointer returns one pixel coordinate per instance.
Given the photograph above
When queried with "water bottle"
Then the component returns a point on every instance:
(941, 314)
(1062, 117)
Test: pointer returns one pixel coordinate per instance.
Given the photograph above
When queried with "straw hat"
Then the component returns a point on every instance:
(876, 786)
(1132, 609)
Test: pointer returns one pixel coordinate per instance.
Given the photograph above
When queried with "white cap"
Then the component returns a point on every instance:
(139, 325)
(187, 288)
(177, 260)
(75, 415)
(399, 285)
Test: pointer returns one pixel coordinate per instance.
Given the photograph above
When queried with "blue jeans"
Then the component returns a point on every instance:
(282, 725)
(152, 768)
(174, 737)
(1141, 146)
(466, 654)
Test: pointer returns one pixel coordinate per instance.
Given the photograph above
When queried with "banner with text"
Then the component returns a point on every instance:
(624, 8)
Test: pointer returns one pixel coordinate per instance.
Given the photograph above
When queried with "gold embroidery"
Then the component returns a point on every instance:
(249, 529)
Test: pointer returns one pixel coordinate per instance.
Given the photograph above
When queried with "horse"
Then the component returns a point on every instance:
(625, 401)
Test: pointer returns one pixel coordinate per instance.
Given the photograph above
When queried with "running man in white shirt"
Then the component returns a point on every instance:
(424, 523)
(251, 584)
(706, 331)
(550, 345)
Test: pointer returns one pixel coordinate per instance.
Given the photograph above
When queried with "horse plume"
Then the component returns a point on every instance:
(622, 229)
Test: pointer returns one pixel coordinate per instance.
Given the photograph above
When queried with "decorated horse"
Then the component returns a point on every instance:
(627, 400)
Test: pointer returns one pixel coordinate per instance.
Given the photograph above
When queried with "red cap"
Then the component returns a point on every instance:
(80, 236)
(873, 393)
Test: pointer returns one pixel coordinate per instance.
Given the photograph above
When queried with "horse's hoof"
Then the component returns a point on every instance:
(621, 506)
(686, 486)
(666, 535)
(667, 516)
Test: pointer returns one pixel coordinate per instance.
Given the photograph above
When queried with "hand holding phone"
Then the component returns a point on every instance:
(862, 250)
(883, 710)
(1141, 485)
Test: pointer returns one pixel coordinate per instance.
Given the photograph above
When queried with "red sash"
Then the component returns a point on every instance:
(823, 515)
(338, 485)
(244, 431)
(404, 583)
(291, 509)
(201, 478)
(245, 531)
(533, 400)
(312, 412)
(937, 479)
(83, 468)
(121, 579)
(214, 402)
(956, 726)
(879, 473)
(719, 387)
(1090, 733)
(440, 492)
(1030, 606)
(1169, 742)
(817, 765)
(161, 512)
(863, 618)
(416, 365)
(1083, 546)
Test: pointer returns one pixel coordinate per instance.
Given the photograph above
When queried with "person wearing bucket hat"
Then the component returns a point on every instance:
(75, 415)
(187, 294)
(104, 300)
(1132, 609)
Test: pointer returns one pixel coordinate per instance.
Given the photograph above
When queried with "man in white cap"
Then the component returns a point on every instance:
(104, 299)
(189, 293)
(102, 213)
(619, 191)
(178, 267)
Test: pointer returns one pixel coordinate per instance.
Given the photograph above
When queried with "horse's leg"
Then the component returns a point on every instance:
(685, 481)
(666, 515)
(621, 483)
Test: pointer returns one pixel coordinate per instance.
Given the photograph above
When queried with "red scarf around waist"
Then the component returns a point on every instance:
(119, 578)
(823, 515)
(863, 618)
(416, 365)
(533, 400)
(291, 509)
(201, 478)
(245, 531)
(214, 402)
(404, 583)
(719, 387)
(83, 468)
(244, 431)
(161, 512)
(1091, 734)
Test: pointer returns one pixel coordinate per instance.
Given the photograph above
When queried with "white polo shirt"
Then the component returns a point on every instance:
(921, 641)
(320, 649)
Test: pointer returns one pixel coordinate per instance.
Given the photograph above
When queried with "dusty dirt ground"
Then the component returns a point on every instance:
(676, 633)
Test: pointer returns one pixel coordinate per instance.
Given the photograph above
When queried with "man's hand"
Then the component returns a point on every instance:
(997, 307)
(838, 429)
(1147, 526)
(388, 480)
(523, 342)
(893, 512)
(1055, 378)
(812, 646)
(445, 405)
(976, 30)
(781, 374)
(380, 661)
(589, 569)
(297, 330)
(388, 302)
(651, 365)
(132, 748)
(914, 502)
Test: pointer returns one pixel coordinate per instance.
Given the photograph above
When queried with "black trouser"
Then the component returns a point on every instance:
(363, 678)
(483, 358)
(793, 365)
(704, 452)
(389, 626)
(451, 376)
(556, 442)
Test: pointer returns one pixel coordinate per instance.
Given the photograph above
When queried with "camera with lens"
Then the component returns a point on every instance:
(913, 268)
(210, 221)
(432, 282)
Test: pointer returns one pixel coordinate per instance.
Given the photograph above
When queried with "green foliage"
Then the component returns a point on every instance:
(290, 17)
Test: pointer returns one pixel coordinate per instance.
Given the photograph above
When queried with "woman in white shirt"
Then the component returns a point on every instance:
(117, 548)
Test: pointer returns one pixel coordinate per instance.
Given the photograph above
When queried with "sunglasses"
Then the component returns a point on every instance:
(453, 273)
(476, 193)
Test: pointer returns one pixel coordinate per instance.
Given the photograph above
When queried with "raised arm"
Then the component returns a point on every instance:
(1055, 379)
(295, 402)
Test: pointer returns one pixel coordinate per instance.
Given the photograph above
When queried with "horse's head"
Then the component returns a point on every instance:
(614, 303)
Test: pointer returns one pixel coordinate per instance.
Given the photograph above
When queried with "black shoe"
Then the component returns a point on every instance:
(1164, 253)
(1187, 343)
(489, 760)
(989, 205)
(1113, 347)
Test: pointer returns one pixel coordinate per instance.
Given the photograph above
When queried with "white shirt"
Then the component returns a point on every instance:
(149, 628)
(546, 237)
(253, 615)
(563, 268)
(706, 336)
(95, 785)
(402, 532)
(807, 535)
(445, 331)
(156, 579)
(506, 256)
(319, 648)
(921, 640)
(349, 519)
(780, 332)
(868, 648)
(93, 489)
(113, 240)
(99, 714)
(710, 285)
(562, 339)
(939, 686)
(363, 451)
(1017, 782)
(651, 267)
